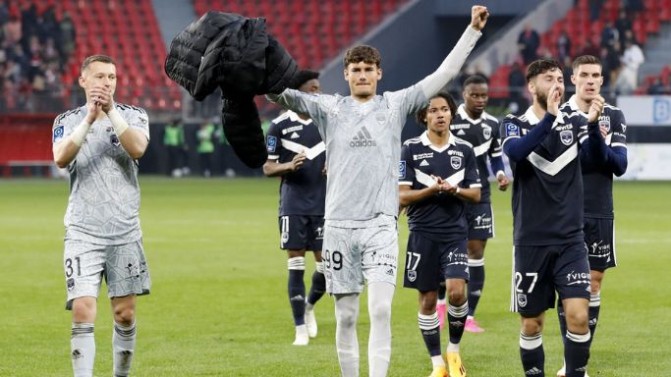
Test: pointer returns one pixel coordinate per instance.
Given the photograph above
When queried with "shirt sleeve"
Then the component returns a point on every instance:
(137, 118)
(273, 142)
(316, 106)
(62, 127)
(406, 172)
(471, 176)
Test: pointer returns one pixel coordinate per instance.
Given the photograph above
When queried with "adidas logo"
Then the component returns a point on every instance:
(297, 298)
(477, 293)
(461, 132)
(533, 372)
(362, 139)
(424, 163)
(294, 136)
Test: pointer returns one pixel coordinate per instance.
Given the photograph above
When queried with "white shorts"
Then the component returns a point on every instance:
(354, 255)
(123, 266)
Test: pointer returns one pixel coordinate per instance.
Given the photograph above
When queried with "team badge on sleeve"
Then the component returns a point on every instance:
(401, 169)
(512, 129)
(271, 143)
(58, 133)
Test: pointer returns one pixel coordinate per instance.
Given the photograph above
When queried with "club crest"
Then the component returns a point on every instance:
(412, 275)
(566, 137)
(455, 161)
(604, 121)
(487, 132)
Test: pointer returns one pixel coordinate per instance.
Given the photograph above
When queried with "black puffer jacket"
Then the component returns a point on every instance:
(236, 54)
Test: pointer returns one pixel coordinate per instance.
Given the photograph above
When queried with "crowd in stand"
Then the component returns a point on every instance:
(35, 46)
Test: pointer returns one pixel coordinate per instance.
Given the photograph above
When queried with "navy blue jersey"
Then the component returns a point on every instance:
(598, 177)
(302, 192)
(441, 217)
(483, 135)
(547, 187)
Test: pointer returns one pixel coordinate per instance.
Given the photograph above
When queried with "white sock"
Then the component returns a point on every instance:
(347, 344)
(123, 348)
(380, 296)
(83, 349)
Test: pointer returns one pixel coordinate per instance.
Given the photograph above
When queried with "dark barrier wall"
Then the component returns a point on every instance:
(224, 161)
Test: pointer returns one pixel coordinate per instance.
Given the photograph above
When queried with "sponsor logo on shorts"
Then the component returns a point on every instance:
(599, 250)
(71, 284)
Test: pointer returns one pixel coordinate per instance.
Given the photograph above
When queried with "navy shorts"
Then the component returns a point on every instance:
(539, 271)
(299, 232)
(429, 262)
(480, 221)
(599, 237)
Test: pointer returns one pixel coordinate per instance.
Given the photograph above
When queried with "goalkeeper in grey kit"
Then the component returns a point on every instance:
(362, 133)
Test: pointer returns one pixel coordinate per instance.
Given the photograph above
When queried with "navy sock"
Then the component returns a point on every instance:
(476, 282)
(456, 319)
(297, 296)
(441, 291)
(532, 355)
(318, 287)
(428, 325)
(594, 308)
(576, 354)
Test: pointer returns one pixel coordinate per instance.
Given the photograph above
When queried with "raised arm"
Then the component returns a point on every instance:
(452, 64)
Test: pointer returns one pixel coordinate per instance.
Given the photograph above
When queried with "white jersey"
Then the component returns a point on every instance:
(104, 203)
(363, 149)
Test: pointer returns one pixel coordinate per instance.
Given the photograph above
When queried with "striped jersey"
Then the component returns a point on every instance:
(483, 135)
(301, 192)
(104, 203)
(598, 178)
(547, 187)
(441, 217)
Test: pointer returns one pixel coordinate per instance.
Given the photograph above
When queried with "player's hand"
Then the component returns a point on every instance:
(298, 161)
(93, 110)
(479, 16)
(595, 109)
(503, 181)
(103, 97)
(603, 130)
(554, 98)
(438, 186)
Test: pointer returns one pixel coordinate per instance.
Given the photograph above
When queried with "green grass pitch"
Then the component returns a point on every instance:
(219, 308)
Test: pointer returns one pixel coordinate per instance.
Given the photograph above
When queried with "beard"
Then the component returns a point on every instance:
(542, 98)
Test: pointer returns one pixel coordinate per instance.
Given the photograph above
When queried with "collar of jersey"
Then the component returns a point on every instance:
(295, 118)
(424, 138)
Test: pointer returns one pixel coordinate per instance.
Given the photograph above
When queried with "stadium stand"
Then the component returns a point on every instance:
(580, 29)
(312, 31)
(127, 30)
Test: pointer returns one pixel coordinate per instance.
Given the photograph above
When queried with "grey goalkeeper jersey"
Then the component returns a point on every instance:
(104, 203)
(363, 140)
(363, 149)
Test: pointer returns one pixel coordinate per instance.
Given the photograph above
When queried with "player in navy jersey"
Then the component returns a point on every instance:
(437, 173)
(362, 133)
(99, 143)
(598, 181)
(544, 147)
(296, 153)
(474, 125)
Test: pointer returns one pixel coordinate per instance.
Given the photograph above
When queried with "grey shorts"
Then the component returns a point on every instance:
(353, 256)
(123, 266)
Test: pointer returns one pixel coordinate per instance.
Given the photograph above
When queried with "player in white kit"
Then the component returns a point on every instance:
(362, 133)
(99, 143)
